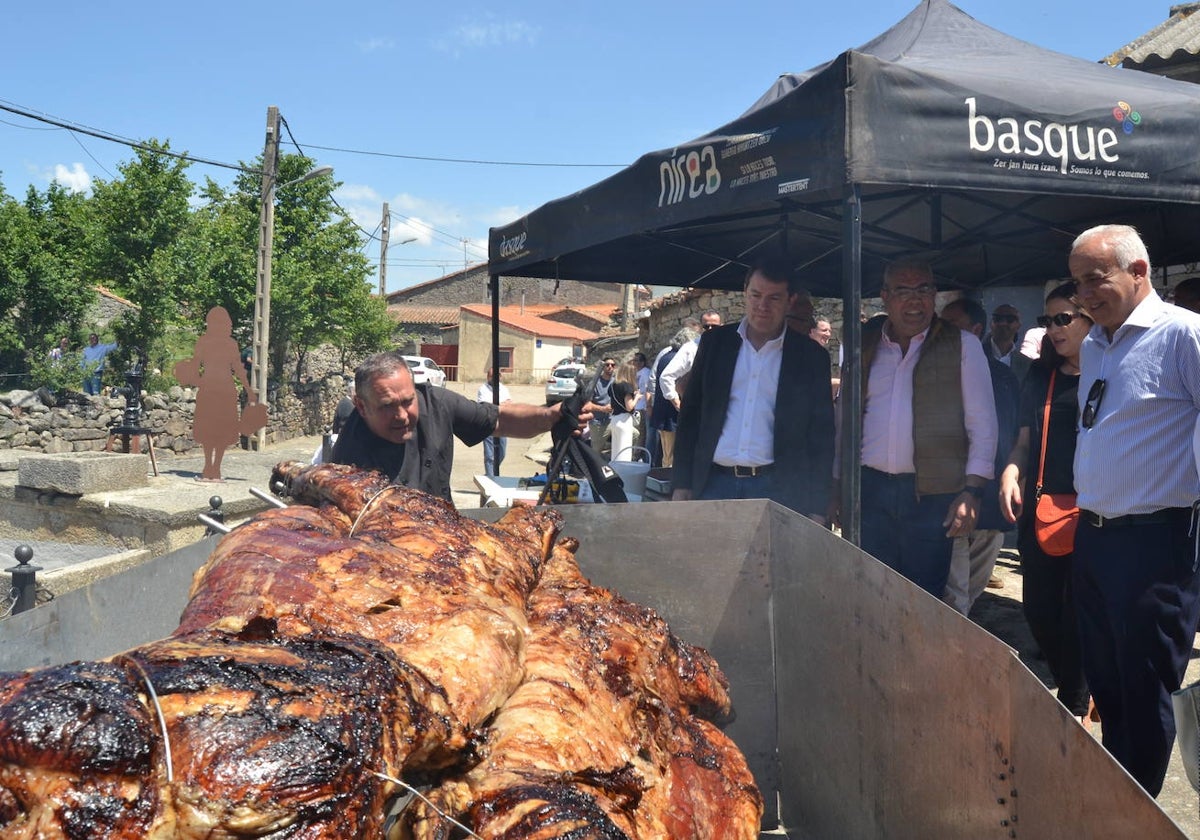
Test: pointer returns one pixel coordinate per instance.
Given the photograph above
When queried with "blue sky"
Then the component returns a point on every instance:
(592, 85)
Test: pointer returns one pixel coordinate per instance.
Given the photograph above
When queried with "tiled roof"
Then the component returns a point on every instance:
(511, 317)
(108, 293)
(403, 313)
(1176, 37)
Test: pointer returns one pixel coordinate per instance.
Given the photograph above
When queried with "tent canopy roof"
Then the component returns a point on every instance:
(970, 148)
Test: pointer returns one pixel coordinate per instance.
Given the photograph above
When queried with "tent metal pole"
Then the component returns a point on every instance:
(494, 291)
(851, 394)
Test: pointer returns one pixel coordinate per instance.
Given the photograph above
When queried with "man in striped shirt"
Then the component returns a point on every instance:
(1135, 582)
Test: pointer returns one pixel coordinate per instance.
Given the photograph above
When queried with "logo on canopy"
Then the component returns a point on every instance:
(1126, 116)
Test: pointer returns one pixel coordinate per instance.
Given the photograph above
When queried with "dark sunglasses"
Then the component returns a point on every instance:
(1095, 394)
(1062, 319)
(707, 327)
(1005, 319)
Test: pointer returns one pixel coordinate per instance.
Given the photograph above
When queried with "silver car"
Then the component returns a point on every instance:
(562, 382)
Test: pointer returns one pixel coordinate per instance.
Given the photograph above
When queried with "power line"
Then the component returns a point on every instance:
(468, 160)
(12, 108)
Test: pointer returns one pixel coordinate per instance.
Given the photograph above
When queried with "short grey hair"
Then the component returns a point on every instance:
(682, 337)
(378, 366)
(1126, 243)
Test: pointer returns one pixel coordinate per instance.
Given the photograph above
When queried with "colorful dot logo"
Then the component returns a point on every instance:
(1126, 116)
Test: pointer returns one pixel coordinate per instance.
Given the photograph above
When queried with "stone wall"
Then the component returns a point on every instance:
(33, 421)
(471, 286)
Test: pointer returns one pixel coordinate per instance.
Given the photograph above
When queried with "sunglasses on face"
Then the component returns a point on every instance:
(707, 327)
(1005, 319)
(1062, 319)
(1095, 394)
(610, 364)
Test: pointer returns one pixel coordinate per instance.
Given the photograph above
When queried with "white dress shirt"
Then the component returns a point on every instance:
(1139, 455)
(679, 367)
(887, 427)
(748, 436)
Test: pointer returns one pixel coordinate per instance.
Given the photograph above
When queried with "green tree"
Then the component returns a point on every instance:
(140, 219)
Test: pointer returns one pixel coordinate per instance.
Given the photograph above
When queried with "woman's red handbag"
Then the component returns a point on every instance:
(1056, 515)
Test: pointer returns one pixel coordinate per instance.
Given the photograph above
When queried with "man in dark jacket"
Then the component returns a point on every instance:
(756, 420)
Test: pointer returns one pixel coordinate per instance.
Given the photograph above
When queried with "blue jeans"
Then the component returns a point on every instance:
(91, 384)
(728, 486)
(493, 455)
(904, 531)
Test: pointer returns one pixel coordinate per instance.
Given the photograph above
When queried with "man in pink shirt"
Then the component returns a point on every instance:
(929, 431)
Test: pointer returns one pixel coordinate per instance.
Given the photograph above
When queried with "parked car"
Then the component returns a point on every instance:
(562, 382)
(425, 369)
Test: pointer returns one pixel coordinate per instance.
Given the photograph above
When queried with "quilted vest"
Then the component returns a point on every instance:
(939, 426)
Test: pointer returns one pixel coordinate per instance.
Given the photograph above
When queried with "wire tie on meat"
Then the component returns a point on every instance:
(162, 720)
(424, 799)
(367, 506)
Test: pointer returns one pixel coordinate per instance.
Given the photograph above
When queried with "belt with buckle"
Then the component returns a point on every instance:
(1157, 517)
(742, 472)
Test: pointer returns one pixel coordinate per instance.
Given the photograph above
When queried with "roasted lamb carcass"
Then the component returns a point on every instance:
(321, 645)
(600, 740)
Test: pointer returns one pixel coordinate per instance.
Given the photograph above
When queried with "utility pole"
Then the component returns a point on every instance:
(385, 227)
(262, 297)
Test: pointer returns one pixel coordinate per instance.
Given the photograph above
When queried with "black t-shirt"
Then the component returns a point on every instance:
(425, 461)
(1059, 473)
(621, 392)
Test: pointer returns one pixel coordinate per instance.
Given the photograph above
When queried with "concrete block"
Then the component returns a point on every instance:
(79, 473)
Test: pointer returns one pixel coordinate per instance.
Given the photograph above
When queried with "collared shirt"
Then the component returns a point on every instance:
(1139, 455)
(680, 366)
(887, 416)
(748, 436)
(1003, 358)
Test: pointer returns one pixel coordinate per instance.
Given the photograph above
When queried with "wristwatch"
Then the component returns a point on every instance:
(977, 492)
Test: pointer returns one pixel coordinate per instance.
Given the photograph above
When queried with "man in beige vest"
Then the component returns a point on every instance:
(929, 431)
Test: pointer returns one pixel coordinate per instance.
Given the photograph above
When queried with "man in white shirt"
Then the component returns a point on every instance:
(495, 447)
(929, 431)
(681, 365)
(757, 417)
(1134, 578)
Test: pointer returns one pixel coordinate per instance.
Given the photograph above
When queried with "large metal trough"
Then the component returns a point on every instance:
(867, 709)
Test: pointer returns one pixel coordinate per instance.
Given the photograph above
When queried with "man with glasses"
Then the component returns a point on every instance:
(1003, 342)
(757, 418)
(929, 431)
(1136, 587)
(681, 365)
(600, 397)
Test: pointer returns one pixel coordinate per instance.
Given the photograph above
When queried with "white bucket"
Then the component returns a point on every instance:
(633, 473)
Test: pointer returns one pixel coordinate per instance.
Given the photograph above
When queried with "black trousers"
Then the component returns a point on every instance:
(1048, 602)
(1137, 594)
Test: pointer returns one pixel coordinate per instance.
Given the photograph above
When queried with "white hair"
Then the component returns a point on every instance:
(1124, 240)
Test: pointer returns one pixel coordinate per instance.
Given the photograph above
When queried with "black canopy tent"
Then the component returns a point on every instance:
(942, 139)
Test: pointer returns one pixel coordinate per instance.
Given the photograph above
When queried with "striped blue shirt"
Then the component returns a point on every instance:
(1139, 455)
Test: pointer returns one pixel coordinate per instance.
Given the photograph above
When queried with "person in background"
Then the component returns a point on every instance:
(675, 373)
(655, 389)
(1046, 595)
(91, 363)
(407, 431)
(929, 431)
(663, 414)
(341, 413)
(599, 393)
(757, 418)
(973, 556)
(1187, 294)
(1003, 342)
(494, 448)
(1031, 344)
(1134, 573)
(644, 395)
(622, 427)
(822, 332)
(64, 347)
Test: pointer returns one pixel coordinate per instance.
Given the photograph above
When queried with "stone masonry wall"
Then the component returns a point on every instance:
(31, 422)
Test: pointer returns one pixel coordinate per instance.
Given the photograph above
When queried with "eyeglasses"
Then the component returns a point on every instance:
(610, 364)
(923, 290)
(707, 327)
(1006, 319)
(1062, 319)
(1095, 394)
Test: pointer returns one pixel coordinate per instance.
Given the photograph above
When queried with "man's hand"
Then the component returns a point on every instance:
(963, 514)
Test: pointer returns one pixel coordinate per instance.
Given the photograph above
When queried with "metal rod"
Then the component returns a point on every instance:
(219, 527)
(267, 497)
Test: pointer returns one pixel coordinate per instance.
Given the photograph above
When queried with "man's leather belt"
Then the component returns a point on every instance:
(1157, 517)
(742, 472)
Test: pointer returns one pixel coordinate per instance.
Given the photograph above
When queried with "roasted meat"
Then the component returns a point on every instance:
(600, 740)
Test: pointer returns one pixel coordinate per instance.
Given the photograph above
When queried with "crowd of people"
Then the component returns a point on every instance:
(965, 426)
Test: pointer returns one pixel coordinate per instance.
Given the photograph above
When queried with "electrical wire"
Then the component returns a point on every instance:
(88, 152)
(468, 160)
(370, 236)
(12, 108)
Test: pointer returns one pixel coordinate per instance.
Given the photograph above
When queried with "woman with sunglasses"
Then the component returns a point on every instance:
(1046, 600)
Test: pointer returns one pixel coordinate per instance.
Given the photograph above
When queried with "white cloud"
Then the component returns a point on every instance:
(76, 179)
(487, 32)
(374, 44)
